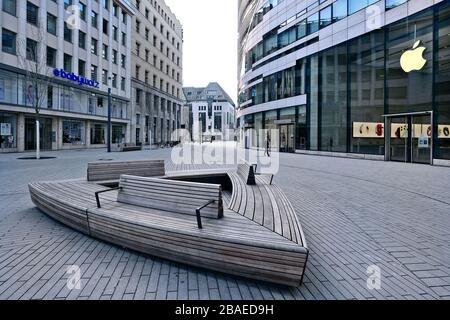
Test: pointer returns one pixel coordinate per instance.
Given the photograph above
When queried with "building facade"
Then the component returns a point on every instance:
(212, 113)
(81, 48)
(358, 78)
(157, 73)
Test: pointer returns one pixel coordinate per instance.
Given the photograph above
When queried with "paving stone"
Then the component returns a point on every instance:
(354, 214)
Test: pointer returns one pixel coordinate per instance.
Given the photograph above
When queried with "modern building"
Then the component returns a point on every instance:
(212, 113)
(157, 73)
(81, 48)
(359, 78)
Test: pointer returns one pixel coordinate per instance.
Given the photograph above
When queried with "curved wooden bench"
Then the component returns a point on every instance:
(110, 171)
(258, 235)
(267, 205)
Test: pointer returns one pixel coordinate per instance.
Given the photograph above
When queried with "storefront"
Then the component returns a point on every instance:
(385, 94)
(8, 132)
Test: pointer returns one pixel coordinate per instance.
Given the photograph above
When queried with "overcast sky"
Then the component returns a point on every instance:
(210, 42)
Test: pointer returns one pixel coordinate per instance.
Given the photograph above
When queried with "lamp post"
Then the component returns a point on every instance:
(108, 132)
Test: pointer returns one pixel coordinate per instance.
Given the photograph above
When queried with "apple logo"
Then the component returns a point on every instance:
(412, 60)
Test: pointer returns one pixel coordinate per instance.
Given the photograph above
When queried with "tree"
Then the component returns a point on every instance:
(32, 59)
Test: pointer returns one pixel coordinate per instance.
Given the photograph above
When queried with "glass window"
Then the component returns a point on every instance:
(366, 63)
(32, 13)
(339, 10)
(333, 117)
(394, 3)
(8, 41)
(51, 57)
(301, 29)
(313, 23)
(8, 87)
(98, 133)
(10, 6)
(51, 24)
(73, 132)
(325, 17)
(8, 129)
(442, 84)
(31, 50)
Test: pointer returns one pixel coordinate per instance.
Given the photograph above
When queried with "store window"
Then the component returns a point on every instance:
(98, 133)
(367, 93)
(118, 135)
(333, 116)
(8, 87)
(8, 131)
(442, 84)
(73, 132)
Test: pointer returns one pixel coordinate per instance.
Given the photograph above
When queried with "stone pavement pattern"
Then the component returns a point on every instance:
(354, 214)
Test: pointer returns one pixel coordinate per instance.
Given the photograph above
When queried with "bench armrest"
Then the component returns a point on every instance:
(97, 198)
(197, 213)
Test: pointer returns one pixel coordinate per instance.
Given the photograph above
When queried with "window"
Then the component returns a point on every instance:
(115, 10)
(114, 80)
(105, 52)
(51, 57)
(81, 68)
(67, 33)
(51, 24)
(94, 46)
(10, 6)
(114, 56)
(105, 77)
(124, 39)
(137, 71)
(138, 48)
(123, 61)
(105, 26)
(67, 3)
(138, 26)
(32, 13)
(124, 17)
(115, 33)
(73, 132)
(325, 17)
(67, 63)
(81, 40)
(394, 3)
(339, 10)
(313, 23)
(31, 50)
(94, 19)
(98, 133)
(94, 73)
(122, 84)
(106, 4)
(8, 41)
(82, 7)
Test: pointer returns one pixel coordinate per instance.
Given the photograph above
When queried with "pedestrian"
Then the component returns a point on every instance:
(267, 149)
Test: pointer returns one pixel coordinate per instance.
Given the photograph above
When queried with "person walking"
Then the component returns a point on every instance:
(267, 149)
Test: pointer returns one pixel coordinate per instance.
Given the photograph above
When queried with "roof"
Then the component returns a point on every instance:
(212, 91)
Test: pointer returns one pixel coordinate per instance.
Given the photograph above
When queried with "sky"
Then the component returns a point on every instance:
(210, 42)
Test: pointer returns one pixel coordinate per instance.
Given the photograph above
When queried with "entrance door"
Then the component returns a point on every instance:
(287, 138)
(421, 139)
(45, 133)
(411, 138)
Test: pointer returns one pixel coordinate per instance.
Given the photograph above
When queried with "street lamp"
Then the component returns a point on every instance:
(108, 132)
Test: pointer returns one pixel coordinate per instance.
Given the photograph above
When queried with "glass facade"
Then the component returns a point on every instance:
(15, 90)
(351, 87)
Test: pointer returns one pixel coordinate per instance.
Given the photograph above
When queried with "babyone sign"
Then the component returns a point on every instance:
(60, 73)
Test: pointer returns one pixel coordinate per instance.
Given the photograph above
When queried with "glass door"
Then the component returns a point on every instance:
(287, 138)
(400, 139)
(421, 139)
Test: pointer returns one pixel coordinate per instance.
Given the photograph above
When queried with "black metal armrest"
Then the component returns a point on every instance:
(197, 213)
(97, 198)
(266, 174)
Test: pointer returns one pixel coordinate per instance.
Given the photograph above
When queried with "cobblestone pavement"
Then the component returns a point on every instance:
(355, 214)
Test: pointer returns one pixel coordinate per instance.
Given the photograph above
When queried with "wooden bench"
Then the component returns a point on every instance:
(265, 204)
(256, 234)
(170, 196)
(109, 171)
